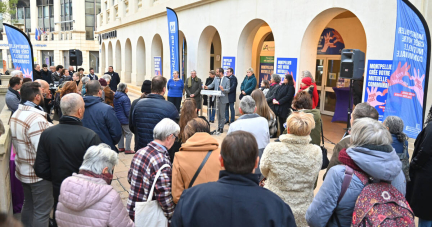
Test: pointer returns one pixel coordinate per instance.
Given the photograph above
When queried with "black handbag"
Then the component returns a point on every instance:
(325, 160)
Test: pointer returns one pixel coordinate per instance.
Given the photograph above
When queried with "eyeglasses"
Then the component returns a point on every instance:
(176, 137)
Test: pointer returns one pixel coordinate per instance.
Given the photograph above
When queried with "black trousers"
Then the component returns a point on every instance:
(176, 101)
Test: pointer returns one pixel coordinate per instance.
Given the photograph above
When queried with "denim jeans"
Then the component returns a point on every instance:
(424, 223)
(231, 108)
(211, 108)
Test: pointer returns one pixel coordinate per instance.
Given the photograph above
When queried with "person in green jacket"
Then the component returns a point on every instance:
(249, 83)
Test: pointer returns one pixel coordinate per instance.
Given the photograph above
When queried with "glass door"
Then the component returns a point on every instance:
(327, 75)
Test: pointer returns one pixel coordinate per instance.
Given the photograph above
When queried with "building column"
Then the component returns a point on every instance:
(57, 18)
(78, 11)
(34, 16)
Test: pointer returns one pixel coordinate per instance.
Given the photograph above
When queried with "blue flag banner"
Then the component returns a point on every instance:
(228, 62)
(20, 49)
(173, 33)
(287, 66)
(157, 66)
(406, 85)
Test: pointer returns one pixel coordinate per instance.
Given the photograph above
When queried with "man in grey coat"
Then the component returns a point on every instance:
(13, 97)
(220, 83)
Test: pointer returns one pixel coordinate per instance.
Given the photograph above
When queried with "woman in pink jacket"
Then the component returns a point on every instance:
(87, 198)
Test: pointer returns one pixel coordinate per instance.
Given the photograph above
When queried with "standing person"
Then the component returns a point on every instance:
(108, 94)
(273, 90)
(193, 86)
(303, 102)
(71, 70)
(295, 185)
(357, 89)
(92, 75)
(370, 154)
(265, 86)
(81, 86)
(58, 155)
(175, 90)
(310, 88)
(115, 78)
(220, 83)
(249, 83)
(419, 188)
(264, 110)
(198, 143)
(210, 106)
(98, 203)
(81, 73)
(149, 111)
(17, 73)
(122, 106)
(37, 74)
(76, 78)
(64, 76)
(48, 97)
(188, 112)
(52, 69)
(235, 199)
(145, 90)
(146, 162)
(13, 97)
(231, 96)
(283, 99)
(27, 125)
(46, 74)
(100, 117)
(55, 76)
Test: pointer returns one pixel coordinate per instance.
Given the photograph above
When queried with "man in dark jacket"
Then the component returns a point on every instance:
(231, 96)
(100, 117)
(55, 76)
(37, 74)
(62, 147)
(235, 199)
(148, 111)
(46, 74)
(115, 78)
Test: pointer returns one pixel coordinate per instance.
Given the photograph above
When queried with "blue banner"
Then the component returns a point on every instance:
(21, 50)
(228, 62)
(407, 80)
(378, 72)
(157, 66)
(173, 41)
(330, 43)
(285, 66)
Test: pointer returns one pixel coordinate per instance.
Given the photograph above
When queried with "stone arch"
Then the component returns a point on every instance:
(128, 61)
(118, 57)
(209, 36)
(140, 60)
(157, 51)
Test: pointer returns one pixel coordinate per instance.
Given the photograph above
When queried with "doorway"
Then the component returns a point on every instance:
(327, 73)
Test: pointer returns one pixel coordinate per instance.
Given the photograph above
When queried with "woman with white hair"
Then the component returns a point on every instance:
(87, 198)
(122, 105)
(108, 94)
(249, 83)
(369, 156)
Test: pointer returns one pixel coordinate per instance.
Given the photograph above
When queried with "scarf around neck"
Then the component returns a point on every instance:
(345, 159)
(189, 81)
(107, 177)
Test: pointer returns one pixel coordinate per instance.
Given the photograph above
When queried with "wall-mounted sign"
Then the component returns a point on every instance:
(228, 62)
(287, 66)
(157, 66)
(108, 35)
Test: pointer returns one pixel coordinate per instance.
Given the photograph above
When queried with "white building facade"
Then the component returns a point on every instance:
(68, 24)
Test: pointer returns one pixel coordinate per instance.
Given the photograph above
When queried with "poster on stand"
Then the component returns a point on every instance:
(406, 85)
(287, 66)
(173, 35)
(21, 50)
(266, 68)
(158, 66)
(228, 62)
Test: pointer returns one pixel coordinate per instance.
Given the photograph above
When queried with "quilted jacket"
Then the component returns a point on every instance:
(122, 105)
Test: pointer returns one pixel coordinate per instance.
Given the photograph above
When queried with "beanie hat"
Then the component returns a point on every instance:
(102, 82)
(307, 81)
(146, 86)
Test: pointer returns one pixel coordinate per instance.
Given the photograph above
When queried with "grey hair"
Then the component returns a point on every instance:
(122, 87)
(307, 73)
(250, 70)
(70, 103)
(165, 128)
(16, 73)
(107, 77)
(193, 71)
(276, 78)
(247, 105)
(98, 157)
(85, 80)
(395, 126)
(367, 131)
(363, 110)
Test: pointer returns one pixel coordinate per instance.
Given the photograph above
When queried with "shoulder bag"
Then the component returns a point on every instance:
(325, 160)
(199, 169)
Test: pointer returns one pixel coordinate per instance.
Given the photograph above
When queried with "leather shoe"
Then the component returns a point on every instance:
(121, 149)
(220, 130)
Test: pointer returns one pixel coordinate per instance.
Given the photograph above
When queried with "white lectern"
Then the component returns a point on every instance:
(215, 94)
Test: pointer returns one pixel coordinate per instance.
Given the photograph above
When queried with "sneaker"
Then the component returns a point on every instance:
(121, 150)
(215, 132)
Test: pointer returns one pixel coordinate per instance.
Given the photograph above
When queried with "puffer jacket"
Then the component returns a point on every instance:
(89, 201)
(122, 107)
(248, 84)
(146, 114)
(380, 165)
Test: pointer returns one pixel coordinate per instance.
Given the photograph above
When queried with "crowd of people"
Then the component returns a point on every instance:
(188, 178)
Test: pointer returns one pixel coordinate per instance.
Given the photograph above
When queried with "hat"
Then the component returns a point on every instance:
(146, 86)
(307, 81)
(103, 82)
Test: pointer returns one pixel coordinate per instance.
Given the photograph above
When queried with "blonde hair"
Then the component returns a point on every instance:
(250, 70)
(300, 124)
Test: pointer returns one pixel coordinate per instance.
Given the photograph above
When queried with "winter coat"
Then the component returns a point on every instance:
(89, 201)
(398, 145)
(115, 80)
(37, 75)
(380, 165)
(46, 75)
(254, 124)
(55, 76)
(205, 97)
(316, 132)
(101, 118)
(357, 91)
(122, 105)
(234, 200)
(312, 90)
(419, 188)
(271, 95)
(264, 90)
(291, 168)
(195, 88)
(61, 151)
(13, 99)
(65, 79)
(334, 160)
(109, 96)
(284, 96)
(190, 157)
(248, 85)
(146, 114)
(233, 89)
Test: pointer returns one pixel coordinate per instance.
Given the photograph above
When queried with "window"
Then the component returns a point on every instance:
(92, 8)
(66, 15)
(48, 57)
(46, 16)
(94, 60)
(1, 29)
(22, 14)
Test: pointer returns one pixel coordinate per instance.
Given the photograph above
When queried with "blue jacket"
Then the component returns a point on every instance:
(398, 145)
(378, 164)
(248, 84)
(234, 200)
(175, 88)
(101, 118)
(233, 89)
(146, 114)
(122, 105)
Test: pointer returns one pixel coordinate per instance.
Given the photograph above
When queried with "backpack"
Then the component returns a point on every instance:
(379, 204)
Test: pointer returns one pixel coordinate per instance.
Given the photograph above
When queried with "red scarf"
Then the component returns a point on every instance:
(346, 160)
(107, 177)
